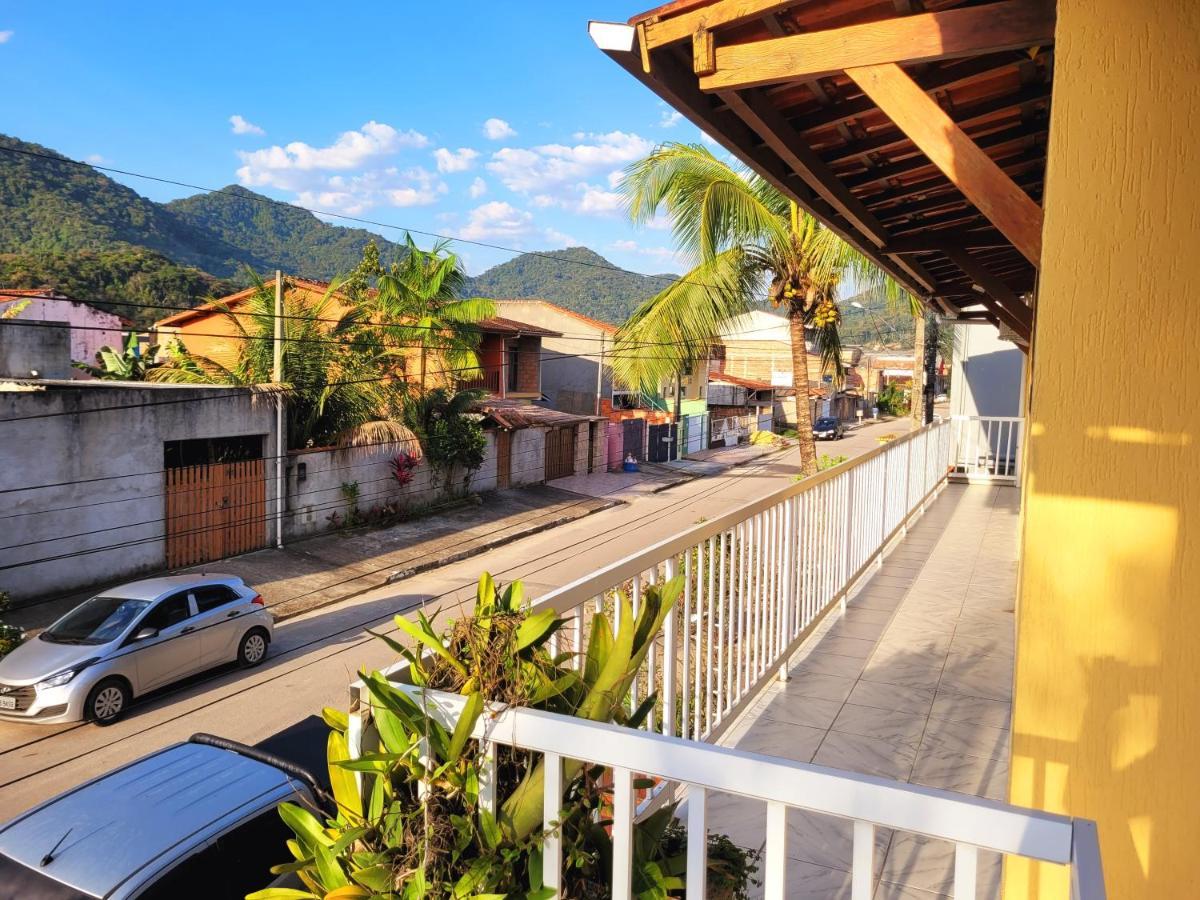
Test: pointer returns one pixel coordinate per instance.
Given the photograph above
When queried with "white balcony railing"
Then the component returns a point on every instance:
(970, 823)
(757, 581)
(987, 448)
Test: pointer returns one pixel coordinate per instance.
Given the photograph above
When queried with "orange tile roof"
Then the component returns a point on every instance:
(588, 320)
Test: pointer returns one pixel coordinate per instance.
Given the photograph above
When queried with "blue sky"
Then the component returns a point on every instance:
(494, 121)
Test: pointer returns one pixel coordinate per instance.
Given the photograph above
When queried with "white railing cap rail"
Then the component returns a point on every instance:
(931, 812)
(600, 580)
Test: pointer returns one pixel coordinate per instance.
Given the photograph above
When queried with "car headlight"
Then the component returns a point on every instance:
(61, 678)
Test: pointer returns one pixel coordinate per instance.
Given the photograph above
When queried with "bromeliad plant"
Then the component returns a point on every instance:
(420, 824)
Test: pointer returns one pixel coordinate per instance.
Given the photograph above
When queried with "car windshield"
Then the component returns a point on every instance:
(100, 620)
(826, 422)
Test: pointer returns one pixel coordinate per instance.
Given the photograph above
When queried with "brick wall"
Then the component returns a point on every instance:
(529, 362)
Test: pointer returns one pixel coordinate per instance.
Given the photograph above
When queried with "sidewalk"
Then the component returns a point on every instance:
(332, 567)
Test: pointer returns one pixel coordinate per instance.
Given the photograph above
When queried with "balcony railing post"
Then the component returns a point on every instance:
(846, 536)
(669, 638)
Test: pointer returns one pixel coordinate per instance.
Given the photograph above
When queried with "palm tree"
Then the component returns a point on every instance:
(418, 301)
(338, 376)
(741, 235)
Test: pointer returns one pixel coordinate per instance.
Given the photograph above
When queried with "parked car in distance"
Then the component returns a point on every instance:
(132, 639)
(197, 819)
(828, 428)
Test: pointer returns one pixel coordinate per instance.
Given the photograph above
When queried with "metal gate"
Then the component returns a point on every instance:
(693, 433)
(662, 443)
(215, 510)
(560, 452)
(635, 438)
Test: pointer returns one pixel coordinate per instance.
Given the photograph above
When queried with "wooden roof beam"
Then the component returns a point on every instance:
(661, 32)
(982, 182)
(969, 31)
(933, 243)
(997, 141)
(996, 296)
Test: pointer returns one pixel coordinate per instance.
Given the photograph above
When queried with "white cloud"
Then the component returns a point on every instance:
(353, 149)
(95, 159)
(558, 238)
(498, 130)
(596, 201)
(355, 194)
(665, 254)
(496, 219)
(5, 36)
(707, 138)
(454, 160)
(241, 126)
(478, 188)
(670, 118)
(615, 178)
(558, 174)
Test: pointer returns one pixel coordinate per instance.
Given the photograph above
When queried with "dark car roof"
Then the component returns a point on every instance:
(126, 821)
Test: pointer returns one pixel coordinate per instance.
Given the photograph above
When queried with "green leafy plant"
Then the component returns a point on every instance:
(828, 462)
(418, 824)
(450, 434)
(891, 401)
(130, 364)
(10, 635)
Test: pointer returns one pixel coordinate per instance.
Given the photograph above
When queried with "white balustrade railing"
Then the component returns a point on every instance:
(987, 448)
(970, 823)
(757, 581)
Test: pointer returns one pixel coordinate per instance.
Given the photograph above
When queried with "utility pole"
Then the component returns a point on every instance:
(600, 375)
(277, 378)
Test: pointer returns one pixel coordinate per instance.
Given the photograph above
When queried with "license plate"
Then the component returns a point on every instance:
(8, 702)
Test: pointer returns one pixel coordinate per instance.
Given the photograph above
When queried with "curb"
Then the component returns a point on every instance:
(448, 559)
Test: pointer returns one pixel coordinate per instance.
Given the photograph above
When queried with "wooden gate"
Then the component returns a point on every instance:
(503, 460)
(560, 452)
(215, 510)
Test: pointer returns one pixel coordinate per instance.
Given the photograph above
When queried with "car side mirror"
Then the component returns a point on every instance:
(144, 634)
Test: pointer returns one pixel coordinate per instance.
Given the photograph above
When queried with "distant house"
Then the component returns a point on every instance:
(510, 351)
(68, 330)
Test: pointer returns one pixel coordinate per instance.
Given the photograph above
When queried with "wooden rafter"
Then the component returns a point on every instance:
(980, 179)
(998, 298)
(969, 31)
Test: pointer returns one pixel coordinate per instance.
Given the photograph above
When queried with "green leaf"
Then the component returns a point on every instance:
(465, 725)
(345, 785)
(488, 829)
(305, 826)
(536, 628)
(426, 636)
(377, 877)
(281, 894)
(328, 870)
(335, 719)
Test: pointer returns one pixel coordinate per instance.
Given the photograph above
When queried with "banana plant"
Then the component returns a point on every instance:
(129, 364)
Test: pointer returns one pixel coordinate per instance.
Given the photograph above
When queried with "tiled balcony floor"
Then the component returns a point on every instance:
(914, 682)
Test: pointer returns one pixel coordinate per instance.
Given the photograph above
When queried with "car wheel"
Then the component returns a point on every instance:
(253, 648)
(107, 701)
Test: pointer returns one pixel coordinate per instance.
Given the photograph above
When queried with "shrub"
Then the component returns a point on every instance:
(10, 635)
(416, 826)
(828, 462)
(403, 466)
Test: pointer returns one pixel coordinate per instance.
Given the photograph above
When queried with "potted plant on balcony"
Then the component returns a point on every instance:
(418, 824)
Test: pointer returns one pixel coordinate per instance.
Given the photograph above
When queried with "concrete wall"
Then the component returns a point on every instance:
(97, 447)
(570, 362)
(39, 350)
(312, 501)
(987, 375)
(1106, 716)
(91, 329)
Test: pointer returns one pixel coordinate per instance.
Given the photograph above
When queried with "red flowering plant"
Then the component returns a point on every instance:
(402, 467)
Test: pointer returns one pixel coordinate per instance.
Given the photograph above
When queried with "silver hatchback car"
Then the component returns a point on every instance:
(130, 640)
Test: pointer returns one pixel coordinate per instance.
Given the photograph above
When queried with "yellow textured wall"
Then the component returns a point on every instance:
(1107, 706)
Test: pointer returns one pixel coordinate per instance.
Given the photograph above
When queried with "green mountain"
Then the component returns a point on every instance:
(78, 231)
(877, 324)
(576, 278)
(281, 236)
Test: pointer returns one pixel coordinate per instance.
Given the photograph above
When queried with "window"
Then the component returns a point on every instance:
(213, 595)
(201, 451)
(236, 864)
(100, 620)
(22, 881)
(169, 612)
(513, 356)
